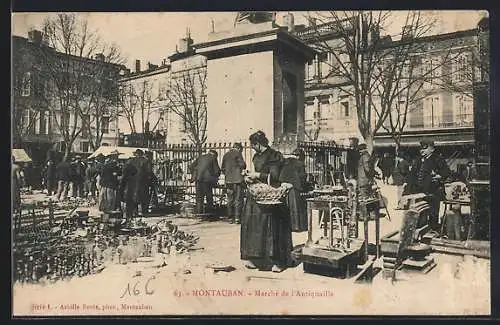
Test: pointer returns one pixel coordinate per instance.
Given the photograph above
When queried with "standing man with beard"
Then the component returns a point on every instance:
(427, 175)
(232, 166)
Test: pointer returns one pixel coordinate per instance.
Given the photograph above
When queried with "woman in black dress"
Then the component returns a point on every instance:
(266, 237)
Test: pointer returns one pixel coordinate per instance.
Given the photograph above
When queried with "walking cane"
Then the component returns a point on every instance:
(380, 197)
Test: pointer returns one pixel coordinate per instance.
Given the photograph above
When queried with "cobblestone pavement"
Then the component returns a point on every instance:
(185, 286)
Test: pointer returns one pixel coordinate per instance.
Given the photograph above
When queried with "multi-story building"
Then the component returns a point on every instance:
(444, 110)
(37, 118)
(158, 99)
(142, 102)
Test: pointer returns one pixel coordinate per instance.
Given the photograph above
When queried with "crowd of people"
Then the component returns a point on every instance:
(130, 186)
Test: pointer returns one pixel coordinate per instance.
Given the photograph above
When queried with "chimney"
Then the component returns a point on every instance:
(35, 36)
(137, 66)
(289, 22)
(99, 57)
(311, 22)
(407, 32)
(186, 42)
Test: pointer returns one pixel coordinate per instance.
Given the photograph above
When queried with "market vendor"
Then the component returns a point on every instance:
(294, 172)
(109, 183)
(265, 240)
(427, 175)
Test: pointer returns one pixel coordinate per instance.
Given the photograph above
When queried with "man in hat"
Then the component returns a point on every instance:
(134, 185)
(232, 166)
(205, 172)
(63, 173)
(427, 175)
(365, 172)
(78, 176)
(109, 183)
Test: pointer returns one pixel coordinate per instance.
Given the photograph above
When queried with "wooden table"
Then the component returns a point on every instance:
(365, 207)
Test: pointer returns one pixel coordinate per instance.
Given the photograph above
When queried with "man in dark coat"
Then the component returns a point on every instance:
(109, 183)
(78, 176)
(63, 172)
(50, 176)
(400, 176)
(386, 164)
(135, 184)
(205, 172)
(294, 172)
(366, 172)
(428, 175)
(233, 166)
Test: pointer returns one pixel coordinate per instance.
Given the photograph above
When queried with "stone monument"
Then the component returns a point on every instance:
(255, 80)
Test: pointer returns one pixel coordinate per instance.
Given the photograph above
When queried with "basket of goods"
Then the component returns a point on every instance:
(266, 194)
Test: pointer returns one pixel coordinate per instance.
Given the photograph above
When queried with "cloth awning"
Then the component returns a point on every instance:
(125, 152)
(21, 156)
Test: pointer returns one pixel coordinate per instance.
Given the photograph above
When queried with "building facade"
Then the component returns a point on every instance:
(442, 108)
(155, 100)
(142, 102)
(47, 108)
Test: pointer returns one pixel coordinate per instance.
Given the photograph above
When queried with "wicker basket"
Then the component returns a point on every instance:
(262, 192)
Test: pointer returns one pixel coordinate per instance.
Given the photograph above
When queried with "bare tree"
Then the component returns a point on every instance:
(313, 134)
(186, 98)
(77, 63)
(367, 69)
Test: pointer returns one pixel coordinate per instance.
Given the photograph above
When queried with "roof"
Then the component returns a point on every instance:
(21, 156)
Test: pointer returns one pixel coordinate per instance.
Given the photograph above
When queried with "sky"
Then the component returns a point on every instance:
(152, 37)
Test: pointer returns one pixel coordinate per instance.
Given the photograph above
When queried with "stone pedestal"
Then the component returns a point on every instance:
(255, 81)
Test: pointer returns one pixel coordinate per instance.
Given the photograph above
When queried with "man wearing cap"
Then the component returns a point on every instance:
(232, 166)
(427, 176)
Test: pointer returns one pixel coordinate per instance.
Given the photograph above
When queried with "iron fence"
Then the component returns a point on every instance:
(326, 163)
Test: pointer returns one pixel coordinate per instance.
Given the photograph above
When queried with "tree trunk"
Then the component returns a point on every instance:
(396, 147)
(67, 150)
(369, 143)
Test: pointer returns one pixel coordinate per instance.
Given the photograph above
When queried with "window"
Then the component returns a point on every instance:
(289, 103)
(463, 113)
(324, 64)
(84, 146)
(85, 125)
(65, 119)
(432, 70)
(43, 123)
(26, 85)
(105, 125)
(31, 122)
(344, 63)
(462, 71)
(433, 113)
(344, 109)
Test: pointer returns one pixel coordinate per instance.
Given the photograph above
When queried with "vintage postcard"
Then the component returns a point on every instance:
(251, 163)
